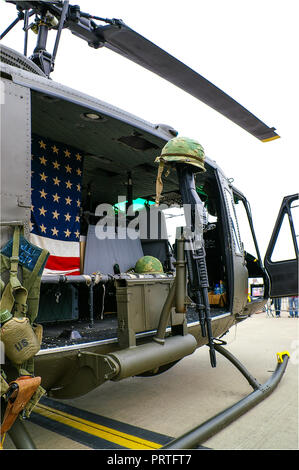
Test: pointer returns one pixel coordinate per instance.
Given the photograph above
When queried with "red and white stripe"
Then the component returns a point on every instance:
(66, 259)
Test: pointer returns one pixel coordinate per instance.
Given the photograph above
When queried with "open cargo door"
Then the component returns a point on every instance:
(281, 260)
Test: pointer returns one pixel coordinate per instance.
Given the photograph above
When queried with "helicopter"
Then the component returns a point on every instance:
(70, 156)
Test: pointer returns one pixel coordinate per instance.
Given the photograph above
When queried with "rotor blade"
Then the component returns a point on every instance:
(121, 39)
(126, 42)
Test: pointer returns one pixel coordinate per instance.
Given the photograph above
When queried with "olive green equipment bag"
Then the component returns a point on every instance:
(18, 309)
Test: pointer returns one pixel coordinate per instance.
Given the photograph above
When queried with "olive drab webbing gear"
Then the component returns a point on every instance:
(31, 259)
(3, 384)
(18, 310)
(179, 150)
(19, 339)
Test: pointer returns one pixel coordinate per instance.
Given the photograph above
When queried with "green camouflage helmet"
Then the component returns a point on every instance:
(148, 265)
(184, 150)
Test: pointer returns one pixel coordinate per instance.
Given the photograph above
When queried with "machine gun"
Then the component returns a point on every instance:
(195, 255)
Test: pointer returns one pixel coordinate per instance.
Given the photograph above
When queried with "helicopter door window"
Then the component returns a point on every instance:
(284, 247)
(244, 227)
(295, 219)
(233, 222)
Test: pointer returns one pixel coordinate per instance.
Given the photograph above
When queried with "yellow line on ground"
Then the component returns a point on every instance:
(109, 434)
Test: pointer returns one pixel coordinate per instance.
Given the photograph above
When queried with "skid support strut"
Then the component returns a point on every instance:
(200, 434)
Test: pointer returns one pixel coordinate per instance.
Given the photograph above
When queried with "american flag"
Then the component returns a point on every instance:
(56, 179)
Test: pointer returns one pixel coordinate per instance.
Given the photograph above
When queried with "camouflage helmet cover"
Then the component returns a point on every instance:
(184, 150)
(148, 265)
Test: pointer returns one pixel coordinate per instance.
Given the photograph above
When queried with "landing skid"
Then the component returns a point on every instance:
(197, 436)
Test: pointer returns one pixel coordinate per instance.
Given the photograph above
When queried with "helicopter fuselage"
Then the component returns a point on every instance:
(91, 325)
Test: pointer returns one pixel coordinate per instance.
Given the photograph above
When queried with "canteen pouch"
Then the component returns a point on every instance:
(38, 330)
(19, 340)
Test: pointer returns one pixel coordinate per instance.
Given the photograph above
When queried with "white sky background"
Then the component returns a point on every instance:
(249, 49)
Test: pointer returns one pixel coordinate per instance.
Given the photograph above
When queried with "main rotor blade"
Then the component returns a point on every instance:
(133, 46)
(121, 39)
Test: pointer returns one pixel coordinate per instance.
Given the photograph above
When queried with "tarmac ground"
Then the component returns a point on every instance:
(157, 409)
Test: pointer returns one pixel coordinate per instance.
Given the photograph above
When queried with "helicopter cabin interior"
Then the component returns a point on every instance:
(85, 159)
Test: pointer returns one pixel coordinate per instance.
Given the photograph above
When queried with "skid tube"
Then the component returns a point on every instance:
(194, 438)
(20, 436)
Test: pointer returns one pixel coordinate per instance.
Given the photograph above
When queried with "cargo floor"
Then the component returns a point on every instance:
(69, 333)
